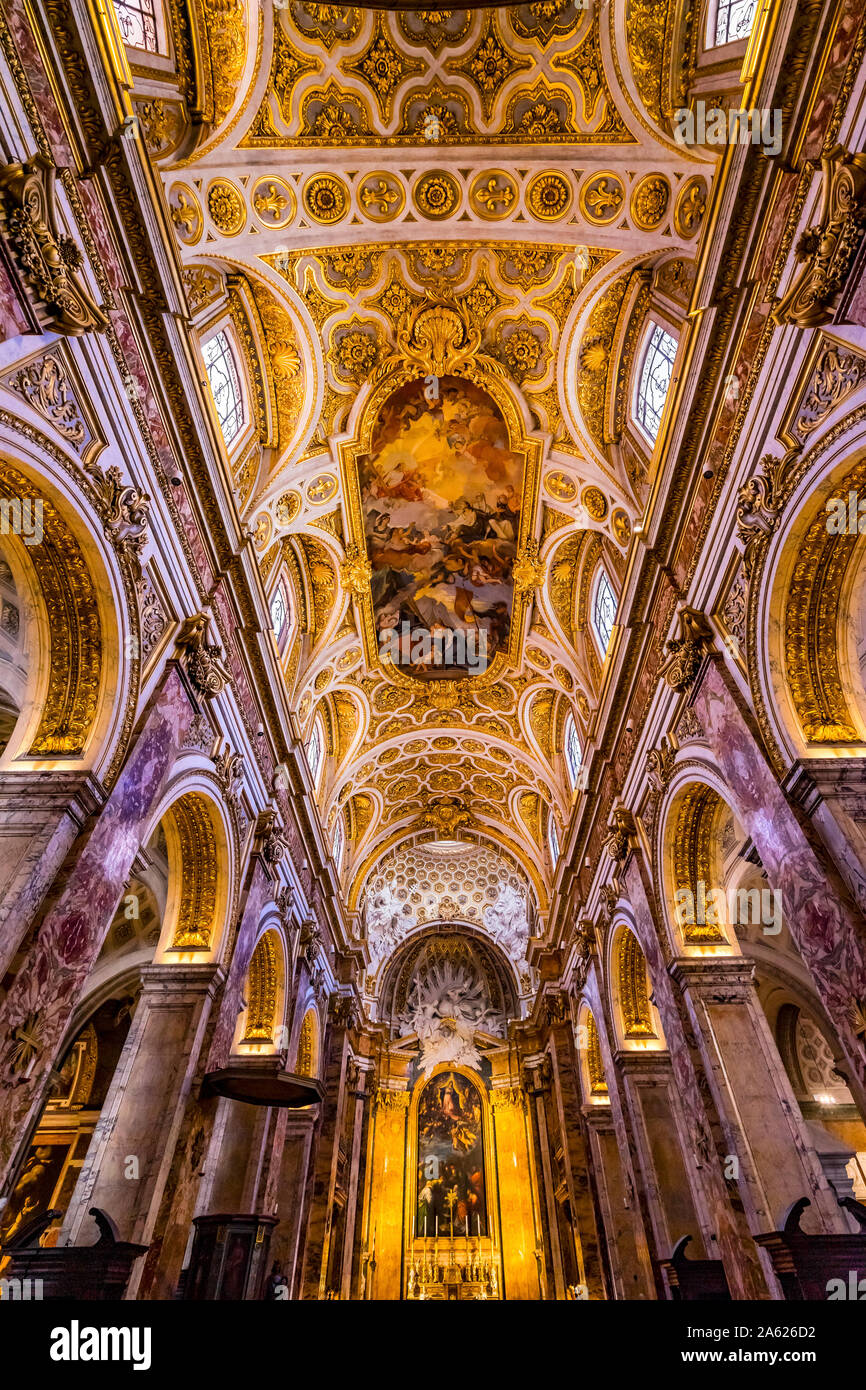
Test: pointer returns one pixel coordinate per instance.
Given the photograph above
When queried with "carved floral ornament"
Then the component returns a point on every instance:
(827, 249)
(42, 256)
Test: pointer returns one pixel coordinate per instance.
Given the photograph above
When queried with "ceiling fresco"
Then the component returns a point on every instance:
(436, 235)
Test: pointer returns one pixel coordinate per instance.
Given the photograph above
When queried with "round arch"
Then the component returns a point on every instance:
(191, 829)
(635, 1017)
(261, 1025)
(73, 701)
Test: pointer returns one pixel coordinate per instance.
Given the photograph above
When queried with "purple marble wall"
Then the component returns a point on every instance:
(828, 931)
(44, 993)
(732, 1242)
(258, 894)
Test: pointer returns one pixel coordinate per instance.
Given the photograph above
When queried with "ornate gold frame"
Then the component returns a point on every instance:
(438, 341)
(489, 1245)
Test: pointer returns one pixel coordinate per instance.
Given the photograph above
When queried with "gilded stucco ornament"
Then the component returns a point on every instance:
(621, 525)
(528, 570)
(356, 571)
(45, 257)
(690, 207)
(595, 502)
(826, 250)
(686, 653)
(383, 67)
(436, 194)
(273, 201)
(757, 510)
(549, 196)
(226, 207)
(489, 65)
(492, 194)
(185, 212)
(622, 834)
(326, 198)
(202, 659)
(381, 196)
(649, 202)
(602, 198)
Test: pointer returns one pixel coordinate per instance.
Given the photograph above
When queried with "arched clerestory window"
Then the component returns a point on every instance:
(573, 751)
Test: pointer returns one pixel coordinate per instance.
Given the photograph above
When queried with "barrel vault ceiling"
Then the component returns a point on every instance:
(357, 166)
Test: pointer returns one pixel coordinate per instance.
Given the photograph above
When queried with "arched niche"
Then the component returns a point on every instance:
(307, 1062)
(192, 840)
(68, 691)
(590, 1063)
(812, 607)
(261, 1025)
(699, 835)
(52, 1162)
(452, 961)
(636, 1018)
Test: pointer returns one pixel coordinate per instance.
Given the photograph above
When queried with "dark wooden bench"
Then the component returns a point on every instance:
(94, 1272)
(818, 1268)
(694, 1281)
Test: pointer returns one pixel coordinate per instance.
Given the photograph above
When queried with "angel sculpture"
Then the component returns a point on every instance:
(445, 1008)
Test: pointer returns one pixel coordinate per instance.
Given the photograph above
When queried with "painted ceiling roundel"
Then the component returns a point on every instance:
(435, 238)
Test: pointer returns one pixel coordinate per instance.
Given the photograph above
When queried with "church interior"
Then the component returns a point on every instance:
(433, 650)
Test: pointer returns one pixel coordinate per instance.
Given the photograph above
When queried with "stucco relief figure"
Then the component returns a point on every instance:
(505, 919)
(445, 1008)
(386, 922)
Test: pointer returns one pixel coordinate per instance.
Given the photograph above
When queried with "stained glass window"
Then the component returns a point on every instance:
(279, 611)
(137, 20)
(655, 379)
(734, 20)
(603, 611)
(552, 839)
(225, 385)
(573, 751)
(314, 753)
(338, 843)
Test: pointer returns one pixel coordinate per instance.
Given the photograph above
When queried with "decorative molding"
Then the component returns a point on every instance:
(40, 254)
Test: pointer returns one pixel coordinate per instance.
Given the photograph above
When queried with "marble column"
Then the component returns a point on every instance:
(638, 1271)
(41, 816)
(383, 1257)
(515, 1184)
(628, 1274)
(39, 1006)
(728, 1237)
(566, 1096)
(291, 1193)
(358, 1076)
(194, 1155)
(826, 927)
(666, 1166)
(128, 1160)
(764, 1129)
(537, 1081)
(324, 1170)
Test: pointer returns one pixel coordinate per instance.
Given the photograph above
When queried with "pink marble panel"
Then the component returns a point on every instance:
(46, 990)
